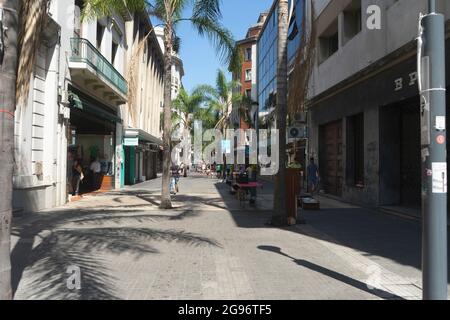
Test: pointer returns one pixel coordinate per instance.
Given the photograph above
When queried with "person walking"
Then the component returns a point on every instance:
(203, 167)
(77, 177)
(96, 169)
(218, 171)
(175, 176)
(313, 176)
(183, 169)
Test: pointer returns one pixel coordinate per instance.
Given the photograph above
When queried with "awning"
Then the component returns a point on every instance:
(131, 133)
(77, 101)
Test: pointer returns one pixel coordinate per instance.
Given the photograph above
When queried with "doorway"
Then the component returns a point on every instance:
(331, 159)
(400, 163)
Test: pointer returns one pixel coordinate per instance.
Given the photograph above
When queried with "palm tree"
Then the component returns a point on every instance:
(222, 98)
(244, 107)
(280, 212)
(205, 18)
(187, 108)
(8, 65)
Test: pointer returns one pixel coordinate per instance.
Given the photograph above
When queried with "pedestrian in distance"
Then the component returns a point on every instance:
(77, 176)
(175, 177)
(312, 176)
(96, 169)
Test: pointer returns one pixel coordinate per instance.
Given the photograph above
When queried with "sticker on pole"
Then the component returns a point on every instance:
(440, 123)
(440, 139)
(439, 177)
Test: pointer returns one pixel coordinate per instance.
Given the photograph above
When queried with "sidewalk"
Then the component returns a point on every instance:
(209, 247)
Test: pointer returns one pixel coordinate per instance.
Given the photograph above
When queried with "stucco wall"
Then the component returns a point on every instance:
(399, 21)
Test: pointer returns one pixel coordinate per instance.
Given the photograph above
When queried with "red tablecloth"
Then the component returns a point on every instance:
(250, 185)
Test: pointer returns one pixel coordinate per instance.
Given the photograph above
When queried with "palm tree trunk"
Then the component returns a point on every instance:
(279, 217)
(165, 194)
(8, 73)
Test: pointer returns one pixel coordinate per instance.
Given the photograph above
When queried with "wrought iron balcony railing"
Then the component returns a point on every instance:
(83, 51)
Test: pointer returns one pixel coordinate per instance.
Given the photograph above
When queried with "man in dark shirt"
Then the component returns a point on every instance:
(175, 176)
(313, 176)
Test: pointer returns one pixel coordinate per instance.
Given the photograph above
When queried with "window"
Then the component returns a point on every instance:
(77, 17)
(329, 41)
(115, 48)
(248, 75)
(352, 20)
(333, 44)
(100, 33)
(248, 54)
(355, 150)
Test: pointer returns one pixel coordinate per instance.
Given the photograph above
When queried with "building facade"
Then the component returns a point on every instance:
(177, 65)
(177, 72)
(248, 75)
(142, 136)
(267, 56)
(267, 59)
(76, 109)
(364, 119)
(40, 129)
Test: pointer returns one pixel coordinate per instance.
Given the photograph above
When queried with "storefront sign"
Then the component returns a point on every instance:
(399, 83)
(131, 142)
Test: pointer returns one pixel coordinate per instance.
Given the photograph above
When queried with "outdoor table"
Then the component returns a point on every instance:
(250, 185)
(242, 191)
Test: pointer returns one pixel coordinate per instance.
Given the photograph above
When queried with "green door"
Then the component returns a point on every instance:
(130, 170)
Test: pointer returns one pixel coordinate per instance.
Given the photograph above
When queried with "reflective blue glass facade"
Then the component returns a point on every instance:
(267, 53)
(267, 59)
(296, 27)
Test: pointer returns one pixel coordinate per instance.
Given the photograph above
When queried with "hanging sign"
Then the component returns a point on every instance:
(131, 142)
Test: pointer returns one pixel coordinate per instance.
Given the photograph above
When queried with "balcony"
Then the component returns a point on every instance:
(91, 70)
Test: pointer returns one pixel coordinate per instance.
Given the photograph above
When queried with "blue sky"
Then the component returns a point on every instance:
(198, 54)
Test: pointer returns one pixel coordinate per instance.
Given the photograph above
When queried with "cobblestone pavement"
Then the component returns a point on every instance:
(211, 247)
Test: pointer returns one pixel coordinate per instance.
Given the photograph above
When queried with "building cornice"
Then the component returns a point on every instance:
(253, 39)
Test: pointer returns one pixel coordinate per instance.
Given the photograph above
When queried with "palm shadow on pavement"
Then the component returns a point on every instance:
(333, 274)
(51, 242)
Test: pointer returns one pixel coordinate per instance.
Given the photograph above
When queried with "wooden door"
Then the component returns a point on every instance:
(332, 172)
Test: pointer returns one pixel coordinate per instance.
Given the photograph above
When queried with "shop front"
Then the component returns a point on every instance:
(366, 135)
(91, 144)
(141, 156)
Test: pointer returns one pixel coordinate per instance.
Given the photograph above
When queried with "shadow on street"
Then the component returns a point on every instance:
(370, 232)
(48, 243)
(333, 274)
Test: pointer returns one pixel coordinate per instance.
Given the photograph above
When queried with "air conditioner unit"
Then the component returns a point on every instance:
(296, 133)
(300, 117)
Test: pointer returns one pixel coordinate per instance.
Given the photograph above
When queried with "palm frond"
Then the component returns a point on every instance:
(207, 9)
(221, 38)
(176, 44)
(104, 8)
(222, 85)
(206, 90)
(158, 10)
